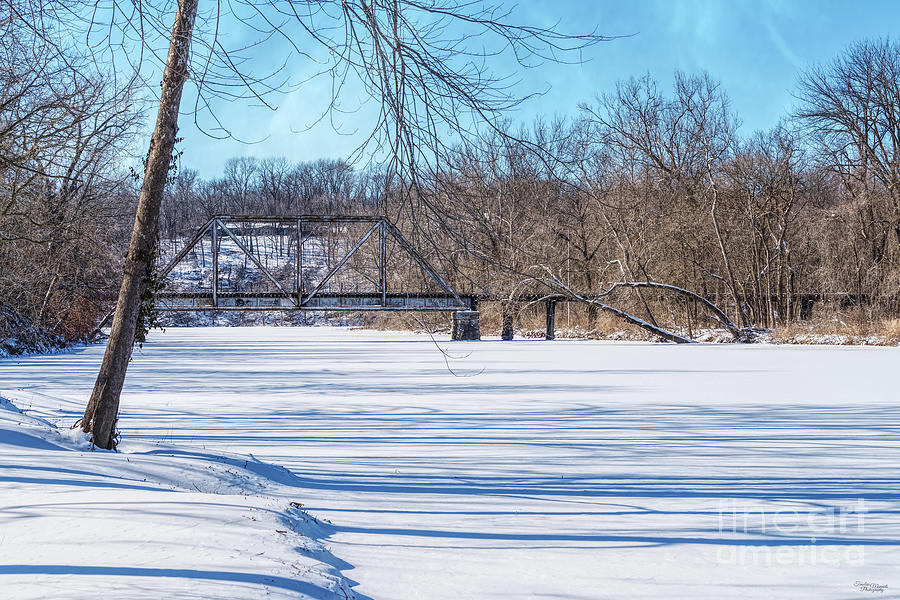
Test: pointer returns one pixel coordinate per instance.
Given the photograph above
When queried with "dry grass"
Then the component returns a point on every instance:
(844, 328)
(849, 327)
(892, 329)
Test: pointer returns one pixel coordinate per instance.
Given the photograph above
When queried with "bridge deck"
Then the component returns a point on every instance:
(332, 301)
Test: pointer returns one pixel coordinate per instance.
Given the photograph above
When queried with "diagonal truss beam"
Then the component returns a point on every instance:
(343, 261)
(256, 262)
(190, 245)
(419, 259)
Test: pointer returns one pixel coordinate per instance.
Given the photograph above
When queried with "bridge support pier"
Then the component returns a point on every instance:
(465, 325)
(551, 319)
(507, 309)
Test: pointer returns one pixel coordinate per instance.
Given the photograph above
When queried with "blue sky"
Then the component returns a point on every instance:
(755, 48)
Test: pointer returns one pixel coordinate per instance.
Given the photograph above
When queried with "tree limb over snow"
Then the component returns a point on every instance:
(745, 334)
(717, 313)
(553, 282)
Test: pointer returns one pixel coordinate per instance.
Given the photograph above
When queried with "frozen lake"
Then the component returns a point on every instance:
(533, 469)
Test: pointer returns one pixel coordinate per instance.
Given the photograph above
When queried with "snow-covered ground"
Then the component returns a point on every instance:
(524, 469)
(151, 522)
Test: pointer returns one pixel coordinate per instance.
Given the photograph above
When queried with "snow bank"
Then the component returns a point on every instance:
(151, 522)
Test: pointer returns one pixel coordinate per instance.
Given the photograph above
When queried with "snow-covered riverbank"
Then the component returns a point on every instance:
(149, 522)
(520, 469)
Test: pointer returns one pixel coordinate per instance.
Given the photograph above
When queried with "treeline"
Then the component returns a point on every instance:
(655, 184)
(269, 186)
(649, 182)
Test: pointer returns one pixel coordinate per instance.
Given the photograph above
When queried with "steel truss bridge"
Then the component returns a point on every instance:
(306, 288)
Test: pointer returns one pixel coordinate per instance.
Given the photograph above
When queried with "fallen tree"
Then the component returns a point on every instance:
(716, 314)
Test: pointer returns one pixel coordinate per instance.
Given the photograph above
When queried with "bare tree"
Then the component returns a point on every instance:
(852, 108)
(102, 411)
(62, 125)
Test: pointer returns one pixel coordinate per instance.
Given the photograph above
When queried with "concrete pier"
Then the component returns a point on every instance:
(465, 325)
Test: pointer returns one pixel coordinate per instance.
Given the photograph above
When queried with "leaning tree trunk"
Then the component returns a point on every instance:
(102, 411)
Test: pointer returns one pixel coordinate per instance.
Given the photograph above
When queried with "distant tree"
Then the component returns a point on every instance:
(670, 152)
(851, 107)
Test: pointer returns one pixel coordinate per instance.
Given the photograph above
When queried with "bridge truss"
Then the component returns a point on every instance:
(303, 263)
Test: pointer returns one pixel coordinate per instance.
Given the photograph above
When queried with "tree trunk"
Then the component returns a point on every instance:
(101, 413)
